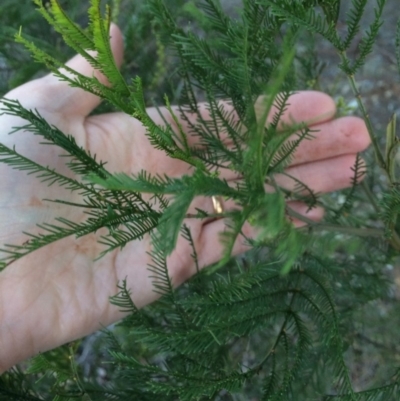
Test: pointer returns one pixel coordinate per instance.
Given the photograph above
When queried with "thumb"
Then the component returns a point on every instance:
(76, 101)
(53, 96)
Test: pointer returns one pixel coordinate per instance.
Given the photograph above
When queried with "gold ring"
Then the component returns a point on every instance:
(217, 204)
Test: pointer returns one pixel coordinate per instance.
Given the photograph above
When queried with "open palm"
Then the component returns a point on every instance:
(58, 293)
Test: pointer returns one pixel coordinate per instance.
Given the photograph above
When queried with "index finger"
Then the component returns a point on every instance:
(310, 107)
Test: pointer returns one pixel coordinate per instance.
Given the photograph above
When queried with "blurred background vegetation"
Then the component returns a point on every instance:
(143, 53)
(371, 324)
(145, 56)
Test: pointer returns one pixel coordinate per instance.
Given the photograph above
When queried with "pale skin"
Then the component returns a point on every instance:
(59, 293)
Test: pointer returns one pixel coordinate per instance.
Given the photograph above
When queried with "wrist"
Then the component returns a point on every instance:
(15, 344)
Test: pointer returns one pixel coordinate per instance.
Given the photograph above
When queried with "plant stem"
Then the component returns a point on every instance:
(362, 232)
(353, 85)
(257, 368)
(395, 239)
(371, 197)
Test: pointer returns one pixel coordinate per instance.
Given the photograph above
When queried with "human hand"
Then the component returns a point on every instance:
(58, 293)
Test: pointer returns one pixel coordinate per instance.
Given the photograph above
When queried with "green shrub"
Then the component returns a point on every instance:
(286, 320)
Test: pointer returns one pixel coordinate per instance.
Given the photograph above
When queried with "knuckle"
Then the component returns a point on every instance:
(354, 133)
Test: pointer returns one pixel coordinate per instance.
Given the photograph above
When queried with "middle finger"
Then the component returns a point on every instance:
(334, 138)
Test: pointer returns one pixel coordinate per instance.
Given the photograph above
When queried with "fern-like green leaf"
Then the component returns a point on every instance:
(73, 35)
(353, 21)
(81, 163)
(307, 17)
(171, 221)
(100, 29)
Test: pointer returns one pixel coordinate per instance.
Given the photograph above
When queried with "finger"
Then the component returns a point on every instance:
(307, 106)
(55, 96)
(78, 101)
(211, 250)
(310, 107)
(322, 176)
(342, 136)
(337, 137)
(101, 127)
(216, 206)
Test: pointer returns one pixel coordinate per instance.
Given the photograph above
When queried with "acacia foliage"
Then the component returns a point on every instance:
(287, 302)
